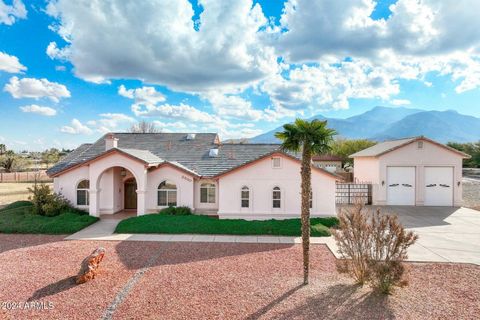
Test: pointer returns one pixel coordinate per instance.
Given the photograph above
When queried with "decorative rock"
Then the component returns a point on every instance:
(88, 269)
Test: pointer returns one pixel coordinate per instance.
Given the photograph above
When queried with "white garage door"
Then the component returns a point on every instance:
(401, 186)
(438, 186)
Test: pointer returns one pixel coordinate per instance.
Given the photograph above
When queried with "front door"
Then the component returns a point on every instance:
(131, 194)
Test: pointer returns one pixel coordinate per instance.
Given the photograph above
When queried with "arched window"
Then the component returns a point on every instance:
(277, 197)
(167, 194)
(82, 193)
(207, 192)
(245, 197)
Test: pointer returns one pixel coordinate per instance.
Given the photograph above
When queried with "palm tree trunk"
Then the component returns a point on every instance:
(306, 173)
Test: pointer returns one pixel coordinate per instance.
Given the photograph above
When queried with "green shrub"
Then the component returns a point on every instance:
(176, 211)
(47, 203)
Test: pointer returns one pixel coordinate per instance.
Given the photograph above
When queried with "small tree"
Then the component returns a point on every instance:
(144, 127)
(3, 149)
(374, 246)
(8, 160)
(309, 137)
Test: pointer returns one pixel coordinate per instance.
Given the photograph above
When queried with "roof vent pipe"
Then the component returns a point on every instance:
(213, 153)
(110, 141)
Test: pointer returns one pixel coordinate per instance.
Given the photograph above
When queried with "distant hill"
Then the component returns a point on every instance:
(382, 123)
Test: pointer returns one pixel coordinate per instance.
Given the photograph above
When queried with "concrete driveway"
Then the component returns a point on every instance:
(445, 234)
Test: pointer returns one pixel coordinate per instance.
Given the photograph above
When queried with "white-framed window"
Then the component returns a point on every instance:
(276, 162)
(167, 194)
(82, 193)
(245, 197)
(276, 198)
(207, 192)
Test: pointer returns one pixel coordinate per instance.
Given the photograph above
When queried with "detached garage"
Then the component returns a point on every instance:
(413, 171)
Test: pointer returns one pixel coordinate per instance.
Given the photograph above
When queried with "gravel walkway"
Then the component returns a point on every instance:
(217, 281)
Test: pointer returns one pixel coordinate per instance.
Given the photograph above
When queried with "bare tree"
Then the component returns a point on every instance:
(144, 127)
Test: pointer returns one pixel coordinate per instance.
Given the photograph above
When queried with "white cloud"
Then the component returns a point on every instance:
(111, 121)
(142, 96)
(400, 102)
(134, 41)
(232, 106)
(76, 127)
(44, 111)
(10, 13)
(10, 64)
(36, 88)
(329, 86)
(55, 53)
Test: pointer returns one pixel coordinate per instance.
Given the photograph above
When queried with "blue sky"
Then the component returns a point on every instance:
(235, 67)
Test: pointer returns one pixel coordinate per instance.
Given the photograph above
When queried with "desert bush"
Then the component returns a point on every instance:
(176, 211)
(390, 244)
(47, 203)
(354, 242)
(373, 246)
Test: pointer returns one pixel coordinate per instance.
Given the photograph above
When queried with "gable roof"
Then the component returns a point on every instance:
(389, 146)
(291, 155)
(190, 155)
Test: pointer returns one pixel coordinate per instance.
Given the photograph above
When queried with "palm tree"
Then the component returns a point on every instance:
(310, 137)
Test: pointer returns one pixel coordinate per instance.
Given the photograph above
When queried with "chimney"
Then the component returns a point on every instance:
(110, 141)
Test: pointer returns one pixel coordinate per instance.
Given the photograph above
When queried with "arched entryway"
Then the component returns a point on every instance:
(117, 191)
(130, 194)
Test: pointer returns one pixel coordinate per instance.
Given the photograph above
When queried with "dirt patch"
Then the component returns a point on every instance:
(218, 281)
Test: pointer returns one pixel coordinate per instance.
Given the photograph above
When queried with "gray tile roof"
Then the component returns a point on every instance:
(192, 155)
(382, 147)
(387, 146)
(143, 155)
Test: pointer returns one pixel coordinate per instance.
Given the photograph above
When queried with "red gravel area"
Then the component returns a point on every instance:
(220, 281)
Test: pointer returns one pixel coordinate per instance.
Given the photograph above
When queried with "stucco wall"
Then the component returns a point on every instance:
(183, 181)
(261, 178)
(66, 184)
(410, 155)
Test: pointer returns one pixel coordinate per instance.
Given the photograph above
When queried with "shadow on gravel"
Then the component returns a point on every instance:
(53, 288)
(17, 241)
(339, 302)
(135, 254)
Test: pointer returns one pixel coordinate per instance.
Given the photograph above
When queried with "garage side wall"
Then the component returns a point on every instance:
(261, 178)
(366, 170)
(430, 155)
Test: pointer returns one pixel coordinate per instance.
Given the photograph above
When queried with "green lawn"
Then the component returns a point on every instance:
(18, 218)
(197, 224)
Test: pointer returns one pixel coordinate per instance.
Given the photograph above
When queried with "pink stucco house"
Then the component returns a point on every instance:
(412, 171)
(147, 172)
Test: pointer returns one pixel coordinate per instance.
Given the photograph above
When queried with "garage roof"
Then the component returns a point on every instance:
(388, 146)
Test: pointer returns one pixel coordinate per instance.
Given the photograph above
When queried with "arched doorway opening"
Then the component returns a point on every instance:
(130, 194)
(117, 191)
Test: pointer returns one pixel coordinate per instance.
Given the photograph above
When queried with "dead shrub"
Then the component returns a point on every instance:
(390, 244)
(354, 242)
(373, 246)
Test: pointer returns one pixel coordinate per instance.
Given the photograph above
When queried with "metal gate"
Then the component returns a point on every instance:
(352, 193)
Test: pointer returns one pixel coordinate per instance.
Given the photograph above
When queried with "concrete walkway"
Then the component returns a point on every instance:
(445, 234)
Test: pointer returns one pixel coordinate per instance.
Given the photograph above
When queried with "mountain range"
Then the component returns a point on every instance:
(382, 123)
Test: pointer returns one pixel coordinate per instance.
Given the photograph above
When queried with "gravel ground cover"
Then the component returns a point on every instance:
(217, 281)
(471, 194)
